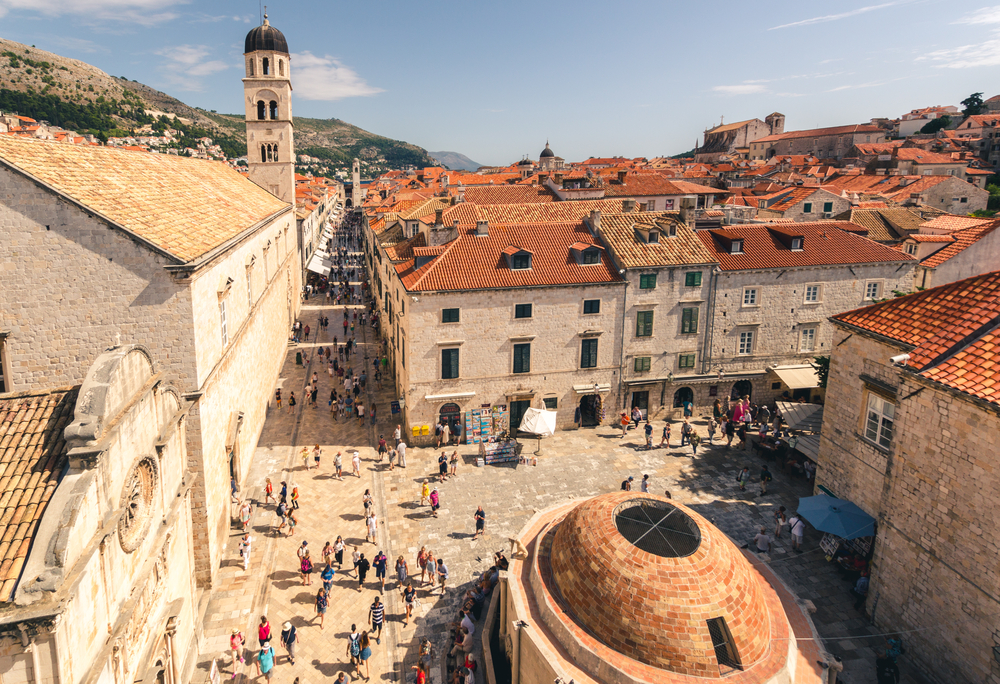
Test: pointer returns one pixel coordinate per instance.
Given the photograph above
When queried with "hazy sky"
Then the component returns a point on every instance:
(495, 80)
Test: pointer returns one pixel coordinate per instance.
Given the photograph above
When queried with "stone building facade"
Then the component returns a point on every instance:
(825, 143)
(907, 435)
(725, 139)
(107, 592)
(209, 285)
(772, 296)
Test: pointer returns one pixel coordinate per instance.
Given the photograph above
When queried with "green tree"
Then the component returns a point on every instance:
(973, 104)
(935, 125)
(822, 364)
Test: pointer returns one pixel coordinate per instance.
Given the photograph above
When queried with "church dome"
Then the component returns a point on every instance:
(656, 582)
(547, 152)
(265, 37)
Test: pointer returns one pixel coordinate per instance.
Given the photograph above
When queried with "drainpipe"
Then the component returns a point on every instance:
(706, 350)
(621, 355)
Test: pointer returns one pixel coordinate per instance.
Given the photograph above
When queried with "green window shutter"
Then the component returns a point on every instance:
(689, 321)
(828, 206)
(588, 354)
(807, 208)
(644, 324)
(692, 279)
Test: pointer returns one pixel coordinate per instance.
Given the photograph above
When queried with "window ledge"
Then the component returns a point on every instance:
(450, 343)
(873, 445)
(590, 333)
(523, 337)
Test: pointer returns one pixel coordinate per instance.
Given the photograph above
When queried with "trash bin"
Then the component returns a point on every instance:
(416, 430)
(425, 430)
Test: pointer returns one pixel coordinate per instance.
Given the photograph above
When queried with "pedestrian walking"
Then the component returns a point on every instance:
(762, 541)
(355, 559)
(409, 598)
(265, 661)
(397, 435)
(269, 491)
(401, 453)
(356, 463)
(685, 432)
(442, 573)
(382, 448)
(354, 648)
(362, 567)
(277, 398)
(798, 529)
(743, 478)
(623, 420)
(435, 502)
(236, 642)
(292, 522)
(402, 571)
(695, 440)
(327, 553)
(317, 452)
(361, 413)
(371, 523)
(665, 439)
(380, 563)
(282, 512)
(338, 552)
(246, 510)
(304, 455)
(711, 431)
(480, 517)
(322, 603)
(431, 569)
(422, 556)
(765, 478)
(263, 630)
(295, 497)
(289, 637)
(644, 484)
(648, 429)
(338, 466)
(245, 544)
(376, 616)
(453, 463)
(779, 521)
(291, 402)
(442, 467)
(371, 413)
(306, 568)
(366, 653)
(627, 484)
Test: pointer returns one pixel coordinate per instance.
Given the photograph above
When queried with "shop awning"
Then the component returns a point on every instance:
(454, 396)
(798, 377)
(836, 516)
(802, 417)
(589, 389)
(539, 422)
(808, 446)
(318, 263)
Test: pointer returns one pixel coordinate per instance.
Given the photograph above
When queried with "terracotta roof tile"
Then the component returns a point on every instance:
(473, 262)
(963, 239)
(820, 132)
(619, 231)
(951, 331)
(508, 194)
(824, 243)
(32, 456)
(546, 212)
(184, 206)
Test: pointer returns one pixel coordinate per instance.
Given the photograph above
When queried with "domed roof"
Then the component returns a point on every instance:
(265, 37)
(547, 152)
(647, 576)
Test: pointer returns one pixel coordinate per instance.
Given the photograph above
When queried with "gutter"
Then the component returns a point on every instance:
(706, 350)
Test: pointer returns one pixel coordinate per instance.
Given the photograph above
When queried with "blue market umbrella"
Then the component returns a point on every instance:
(836, 516)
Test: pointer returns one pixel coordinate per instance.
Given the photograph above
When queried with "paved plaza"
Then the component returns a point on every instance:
(572, 464)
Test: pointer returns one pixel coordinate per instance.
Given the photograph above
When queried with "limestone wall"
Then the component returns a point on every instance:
(69, 284)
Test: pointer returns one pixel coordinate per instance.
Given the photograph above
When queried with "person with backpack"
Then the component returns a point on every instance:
(354, 648)
(627, 484)
(743, 478)
(685, 432)
(765, 477)
(236, 642)
(695, 440)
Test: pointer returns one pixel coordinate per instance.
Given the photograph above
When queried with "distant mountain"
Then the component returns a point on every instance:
(77, 96)
(454, 161)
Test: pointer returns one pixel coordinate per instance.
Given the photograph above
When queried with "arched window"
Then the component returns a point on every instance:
(250, 67)
(267, 67)
(281, 67)
(682, 396)
(274, 147)
(263, 153)
(274, 109)
(260, 110)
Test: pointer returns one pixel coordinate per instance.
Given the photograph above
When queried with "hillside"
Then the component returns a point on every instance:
(454, 161)
(78, 96)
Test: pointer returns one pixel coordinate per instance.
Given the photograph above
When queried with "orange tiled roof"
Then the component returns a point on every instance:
(824, 244)
(545, 212)
(473, 262)
(404, 250)
(951, 332)
(953, 222)
(32, 456)
(618, 230)
(931, 238)
(508, 194)
(655, 184)
(184, 206)
(820, 132)
(884, 224)
(963, 239)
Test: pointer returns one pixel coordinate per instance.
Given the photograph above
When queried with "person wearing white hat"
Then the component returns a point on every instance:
(289, 637)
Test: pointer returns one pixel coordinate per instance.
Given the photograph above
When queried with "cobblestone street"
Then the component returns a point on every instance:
(573, 464)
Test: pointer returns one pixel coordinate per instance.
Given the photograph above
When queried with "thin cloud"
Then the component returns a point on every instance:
(835, 17)
(744, 89)
(986, 15)
(186, 65)
(79, 44)
(985, 54)
(325, 78)
(142, 12)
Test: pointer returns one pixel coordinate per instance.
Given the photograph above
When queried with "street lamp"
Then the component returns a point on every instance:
(670, 377)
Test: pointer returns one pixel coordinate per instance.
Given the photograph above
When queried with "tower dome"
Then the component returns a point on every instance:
(265, 37)
(651, 579)
(547, 152)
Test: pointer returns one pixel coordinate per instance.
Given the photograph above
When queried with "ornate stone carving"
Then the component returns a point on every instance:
(137, 504)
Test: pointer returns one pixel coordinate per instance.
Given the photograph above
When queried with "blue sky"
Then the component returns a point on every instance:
(495, 80)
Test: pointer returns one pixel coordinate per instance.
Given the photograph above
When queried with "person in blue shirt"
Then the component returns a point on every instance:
(265, 660)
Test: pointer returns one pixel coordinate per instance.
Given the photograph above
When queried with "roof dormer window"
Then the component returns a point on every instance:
(520, 261)
(654, 237)
(591, 256)
(796, 244)
(736, 247)
(672, 232)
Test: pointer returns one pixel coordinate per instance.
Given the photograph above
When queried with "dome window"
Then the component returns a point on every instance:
(267, 67)
(658, 528)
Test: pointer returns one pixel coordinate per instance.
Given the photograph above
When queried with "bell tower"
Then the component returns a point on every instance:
(267, 94)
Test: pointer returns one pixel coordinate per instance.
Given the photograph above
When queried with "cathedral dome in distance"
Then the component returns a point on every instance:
(547, 152)
(265, 37)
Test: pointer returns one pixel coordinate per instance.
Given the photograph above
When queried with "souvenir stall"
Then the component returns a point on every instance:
(848, 531)
(488, 427)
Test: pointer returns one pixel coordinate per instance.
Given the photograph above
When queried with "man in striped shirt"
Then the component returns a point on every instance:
(376, 615)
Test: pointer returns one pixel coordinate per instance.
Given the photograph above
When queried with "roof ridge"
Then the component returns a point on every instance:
(434, 262)
(962, 344)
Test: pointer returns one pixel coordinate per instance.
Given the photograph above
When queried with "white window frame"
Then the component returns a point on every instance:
(746, 342)
(751, 296)
(819, 293)
(224, 324)
(651, 205)
(879, 420)
(911, 249)
(878, 284)
(807, 339)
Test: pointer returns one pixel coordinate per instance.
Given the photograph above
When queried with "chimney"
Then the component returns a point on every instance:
(686, 206)
(595, 221)
(461, 193)
(628, 206)
(621, 176)
(542, 177)
(482, 227)
(438, 213)
(558, 178)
